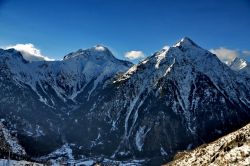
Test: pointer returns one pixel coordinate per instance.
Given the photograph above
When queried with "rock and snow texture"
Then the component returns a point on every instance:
(241, 66)
(12, 142)
(238, 64)
(232, 149)
(64, 151)
(139, 137)
(104, 161)
(5, 162)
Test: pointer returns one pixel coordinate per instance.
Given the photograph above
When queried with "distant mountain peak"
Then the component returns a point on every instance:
(12, 54)
(238, 64)
(97, 51)
(10, 50)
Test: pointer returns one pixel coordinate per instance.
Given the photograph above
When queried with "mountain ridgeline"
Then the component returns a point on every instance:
(174, 100)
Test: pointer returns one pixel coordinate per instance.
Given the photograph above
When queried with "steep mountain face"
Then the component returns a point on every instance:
(232, 149)
(96, 105)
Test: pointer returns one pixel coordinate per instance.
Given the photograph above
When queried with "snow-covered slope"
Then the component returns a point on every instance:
(232, 149)
(189, 59)
(68, 77)
(4, 162)
(9, 143)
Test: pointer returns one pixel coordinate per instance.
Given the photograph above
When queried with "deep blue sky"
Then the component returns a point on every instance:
(60, 26)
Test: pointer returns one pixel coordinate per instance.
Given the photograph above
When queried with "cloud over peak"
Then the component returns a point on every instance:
(30, 52)
(225, 55)
(134, 55)
(228, 55)
(246, 52)
(166, 47)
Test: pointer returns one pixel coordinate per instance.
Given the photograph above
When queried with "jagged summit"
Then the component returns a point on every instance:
(185, 42)
(184, 54)
(184, 50)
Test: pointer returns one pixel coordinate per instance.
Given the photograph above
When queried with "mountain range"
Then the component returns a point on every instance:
(91, 104)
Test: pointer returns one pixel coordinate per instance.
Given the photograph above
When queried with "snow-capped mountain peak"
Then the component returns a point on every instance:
(185, 52)
(10, 52)
(186, 42)
(96, 52)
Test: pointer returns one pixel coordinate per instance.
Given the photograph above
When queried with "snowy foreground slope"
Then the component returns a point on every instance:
(8, 143)
(232, 149)
(5, 162)
(91, 105)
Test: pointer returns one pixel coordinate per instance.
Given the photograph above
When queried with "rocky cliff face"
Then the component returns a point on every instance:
(232, 149)
(92, 102)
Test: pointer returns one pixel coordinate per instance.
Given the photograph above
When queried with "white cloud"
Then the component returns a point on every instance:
(166, 47)
(225, 55)
(246, 52)
(30, 52)
(99, 48)
(133, 55)
(228, 55)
